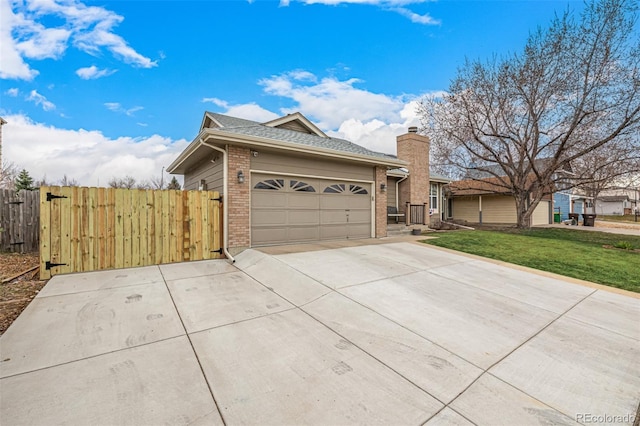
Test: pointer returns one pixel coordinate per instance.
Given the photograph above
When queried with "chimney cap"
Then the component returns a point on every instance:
(413, 129)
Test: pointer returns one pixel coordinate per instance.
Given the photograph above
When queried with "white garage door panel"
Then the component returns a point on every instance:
(307, 201)
(332, 217)
(269, 199)
(269, 217)
(333, 232)
(295, 209)
(276, 235)
(360, 216)
(303, 217)
(303, 234)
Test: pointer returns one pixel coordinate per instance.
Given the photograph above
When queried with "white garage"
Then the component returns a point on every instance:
(292, 209)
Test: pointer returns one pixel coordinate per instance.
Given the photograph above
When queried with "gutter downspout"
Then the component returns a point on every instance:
(225, 206)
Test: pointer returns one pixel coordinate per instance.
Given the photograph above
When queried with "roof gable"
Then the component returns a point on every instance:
(296, 122)
(275, 135)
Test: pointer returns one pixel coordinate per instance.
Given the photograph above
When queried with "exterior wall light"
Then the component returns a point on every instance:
(240, 176)
(383, 187)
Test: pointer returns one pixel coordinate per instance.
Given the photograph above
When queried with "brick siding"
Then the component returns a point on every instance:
(238, 199)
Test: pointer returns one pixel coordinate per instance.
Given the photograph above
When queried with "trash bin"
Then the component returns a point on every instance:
(589, 219)
(575, 217)
(556, 217)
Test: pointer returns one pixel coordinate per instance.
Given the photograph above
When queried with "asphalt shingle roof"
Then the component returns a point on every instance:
(253, 128)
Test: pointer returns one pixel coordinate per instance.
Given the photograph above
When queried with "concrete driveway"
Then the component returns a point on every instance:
(397, 333)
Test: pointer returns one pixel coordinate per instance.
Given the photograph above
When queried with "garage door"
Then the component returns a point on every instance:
(287, 209)
(540, 215)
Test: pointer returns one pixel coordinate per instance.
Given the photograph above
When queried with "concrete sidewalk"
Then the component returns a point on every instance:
(397, 333)
(622, 228)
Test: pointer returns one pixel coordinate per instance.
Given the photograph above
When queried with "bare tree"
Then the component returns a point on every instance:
(525, 119)
(611, 166)
(156, 182)
(66, 181)
(128, 182)
(8, 174)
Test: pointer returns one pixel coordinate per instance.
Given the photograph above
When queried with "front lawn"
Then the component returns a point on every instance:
(590, 256)
(618, 218)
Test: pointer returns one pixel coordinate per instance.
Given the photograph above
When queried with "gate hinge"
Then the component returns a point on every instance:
(217, 199)
(51, 196)
(48, 265)
(16, 202)
(219, 251)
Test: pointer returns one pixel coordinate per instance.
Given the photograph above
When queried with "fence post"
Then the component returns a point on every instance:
(424, 214)
(407, 214)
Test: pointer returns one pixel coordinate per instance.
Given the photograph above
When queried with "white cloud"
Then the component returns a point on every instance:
(116, 107)
(13, 92)
(87, 156)
(398, 6)
(372, 120)
(216, 101)
(416, 18)
(93, 72)
(24, 34)
(250, 111)
(330, 100)
(12, 65)
(41, 100)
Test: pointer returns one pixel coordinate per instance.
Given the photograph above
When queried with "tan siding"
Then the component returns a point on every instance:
(210, 172)
(282, 163)
(541, 214)
(391, 192)
(465, 208)
(295, 126)
(498, 209)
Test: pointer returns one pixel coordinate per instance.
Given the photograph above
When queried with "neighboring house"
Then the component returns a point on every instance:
(569, 201)
(614, 205)
(285, 181)
(485, 202)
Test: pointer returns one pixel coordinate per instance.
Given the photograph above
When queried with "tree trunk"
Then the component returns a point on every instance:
(523, 212)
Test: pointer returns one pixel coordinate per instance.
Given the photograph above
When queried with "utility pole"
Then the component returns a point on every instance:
(162, 178)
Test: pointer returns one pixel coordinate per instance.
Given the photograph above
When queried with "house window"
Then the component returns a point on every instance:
(273, 184)
(339, 188)
(335, 189)
(299, 186)
(433, 196)
(357, 189)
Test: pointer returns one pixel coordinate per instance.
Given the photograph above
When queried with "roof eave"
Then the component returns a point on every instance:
(254, 141)
(173, 168)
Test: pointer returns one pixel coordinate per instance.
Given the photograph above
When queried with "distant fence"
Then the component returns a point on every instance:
(89, 229)
(19, 216)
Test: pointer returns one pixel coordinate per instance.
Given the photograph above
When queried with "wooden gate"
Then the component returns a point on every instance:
(90, 229)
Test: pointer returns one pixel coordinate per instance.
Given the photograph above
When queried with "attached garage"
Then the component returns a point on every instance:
(285, 181)
(295, 209)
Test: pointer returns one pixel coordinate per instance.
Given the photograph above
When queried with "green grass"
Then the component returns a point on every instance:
(573, 253)
(618, 218)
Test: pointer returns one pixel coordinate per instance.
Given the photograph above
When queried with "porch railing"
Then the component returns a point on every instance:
(416, 214)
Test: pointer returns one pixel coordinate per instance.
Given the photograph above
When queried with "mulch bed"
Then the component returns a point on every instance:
(17, 293)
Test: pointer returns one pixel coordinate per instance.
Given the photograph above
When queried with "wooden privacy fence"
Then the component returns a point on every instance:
(89, 229)
(19, 215)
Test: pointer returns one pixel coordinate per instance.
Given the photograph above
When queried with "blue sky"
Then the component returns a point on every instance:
(101, 89)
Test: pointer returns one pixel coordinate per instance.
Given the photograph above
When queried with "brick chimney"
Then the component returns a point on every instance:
(414, 149)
